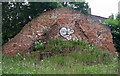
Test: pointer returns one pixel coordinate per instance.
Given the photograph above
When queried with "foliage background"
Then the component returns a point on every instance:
(114, 24)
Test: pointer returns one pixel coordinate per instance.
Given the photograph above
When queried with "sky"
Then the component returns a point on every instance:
(103, 8)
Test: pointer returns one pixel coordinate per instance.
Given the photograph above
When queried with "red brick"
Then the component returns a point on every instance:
(86, 28)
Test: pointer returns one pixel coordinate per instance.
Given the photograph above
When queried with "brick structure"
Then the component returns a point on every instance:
(98, 19)
(60, 23)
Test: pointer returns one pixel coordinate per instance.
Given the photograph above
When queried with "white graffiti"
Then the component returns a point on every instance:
(66, 33)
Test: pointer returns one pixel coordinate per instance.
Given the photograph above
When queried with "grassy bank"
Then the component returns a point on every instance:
(85, 59)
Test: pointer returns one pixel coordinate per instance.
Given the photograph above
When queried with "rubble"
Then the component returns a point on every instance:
(67, 24)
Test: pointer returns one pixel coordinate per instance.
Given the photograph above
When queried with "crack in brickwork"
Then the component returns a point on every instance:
(47, 26)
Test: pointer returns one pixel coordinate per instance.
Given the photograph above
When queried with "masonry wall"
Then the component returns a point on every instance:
(60, 23)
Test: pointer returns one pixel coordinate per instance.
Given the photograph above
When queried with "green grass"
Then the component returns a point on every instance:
(82, 59)
(0, 63)
(56, 65)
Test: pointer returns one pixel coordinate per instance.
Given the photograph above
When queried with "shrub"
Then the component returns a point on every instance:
(83, 51)
(40, 46)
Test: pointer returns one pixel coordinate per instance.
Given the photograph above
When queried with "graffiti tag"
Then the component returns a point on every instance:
(66, 33)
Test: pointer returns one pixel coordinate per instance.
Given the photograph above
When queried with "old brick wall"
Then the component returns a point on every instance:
(60, 23)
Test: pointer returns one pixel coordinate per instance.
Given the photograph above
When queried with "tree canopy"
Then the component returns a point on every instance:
(114, 24)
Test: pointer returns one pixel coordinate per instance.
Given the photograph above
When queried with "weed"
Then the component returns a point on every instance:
(79, 58)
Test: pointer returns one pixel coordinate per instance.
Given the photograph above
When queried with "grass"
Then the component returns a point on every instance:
(0, 63)
(85, 59)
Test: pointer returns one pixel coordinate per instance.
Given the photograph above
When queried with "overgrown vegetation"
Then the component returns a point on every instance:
(114, 24)
(68, 57)
(17, 14)
(89, 54)
(79, 6)
(0, 63)
(72, 57)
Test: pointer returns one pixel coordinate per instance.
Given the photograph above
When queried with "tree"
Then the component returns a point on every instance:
(114, 24)
(17, 14)
(79, 6)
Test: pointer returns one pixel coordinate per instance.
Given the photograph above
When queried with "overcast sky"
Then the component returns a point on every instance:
(103, 8)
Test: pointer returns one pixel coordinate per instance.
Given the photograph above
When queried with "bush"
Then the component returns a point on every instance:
(40, 46)
(114, 24)
(83, 51)
(82, 59)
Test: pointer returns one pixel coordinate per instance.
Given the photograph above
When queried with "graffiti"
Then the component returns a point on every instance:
(66, 33)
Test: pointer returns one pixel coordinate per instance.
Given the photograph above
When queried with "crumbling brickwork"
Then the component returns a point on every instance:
(73, 26)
